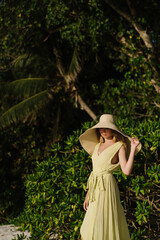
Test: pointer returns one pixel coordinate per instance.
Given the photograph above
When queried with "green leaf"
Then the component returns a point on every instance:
(26, 87)
(24, 109)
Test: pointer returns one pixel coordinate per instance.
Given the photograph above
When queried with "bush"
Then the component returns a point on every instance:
(21, 149)
(56, 191)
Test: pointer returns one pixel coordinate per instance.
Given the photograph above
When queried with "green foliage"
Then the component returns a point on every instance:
(26, 87)
(132, 96)
(139, 185)
(97, 34)
(138, 234)
(117, 77)
(76, 22)
(56, 191)
(20, 237)
(142, 212)
(154, 173)
(20, 151)
(24, 109)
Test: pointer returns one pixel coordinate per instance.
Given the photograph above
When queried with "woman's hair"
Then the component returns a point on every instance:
(116, 136)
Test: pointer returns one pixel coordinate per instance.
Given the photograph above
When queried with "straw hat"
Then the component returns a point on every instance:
(89, 138)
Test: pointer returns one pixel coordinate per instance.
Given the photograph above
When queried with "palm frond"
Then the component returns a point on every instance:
(24, 109)
(74, 67)
(22, 60)
(33, 64)
(26, 87)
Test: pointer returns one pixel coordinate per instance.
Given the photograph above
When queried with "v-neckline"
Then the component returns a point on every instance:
(104, 149)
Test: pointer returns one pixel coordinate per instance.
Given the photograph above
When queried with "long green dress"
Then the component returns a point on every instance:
(104, 218)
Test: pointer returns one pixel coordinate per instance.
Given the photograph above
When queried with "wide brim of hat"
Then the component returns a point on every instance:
(89, 139)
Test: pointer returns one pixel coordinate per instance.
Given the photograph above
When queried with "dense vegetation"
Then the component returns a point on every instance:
(64, 63)
(56, 191)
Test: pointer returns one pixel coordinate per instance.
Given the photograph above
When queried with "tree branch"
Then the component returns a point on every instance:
(86, 108)
(123, 41)
(124, 51)
(157, 105)
(121, 12)
(142, 32)
(157, 88)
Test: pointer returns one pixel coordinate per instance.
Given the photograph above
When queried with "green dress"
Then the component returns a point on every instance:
(104, 218)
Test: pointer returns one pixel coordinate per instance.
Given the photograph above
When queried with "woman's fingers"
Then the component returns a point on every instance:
(85, 205)
(134, 141)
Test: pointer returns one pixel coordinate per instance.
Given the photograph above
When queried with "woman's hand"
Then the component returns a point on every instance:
(127, 166)
(86, 203)
(134, 142)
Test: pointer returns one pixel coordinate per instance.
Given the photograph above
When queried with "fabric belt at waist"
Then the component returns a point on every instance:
(96, 179)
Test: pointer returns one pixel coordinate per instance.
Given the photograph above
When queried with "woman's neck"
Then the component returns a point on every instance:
(108, 140)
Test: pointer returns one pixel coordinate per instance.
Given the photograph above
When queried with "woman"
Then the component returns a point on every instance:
(104, 218)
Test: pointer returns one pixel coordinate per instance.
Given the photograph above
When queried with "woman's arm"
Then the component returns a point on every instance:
(86, 201)
(127, 166)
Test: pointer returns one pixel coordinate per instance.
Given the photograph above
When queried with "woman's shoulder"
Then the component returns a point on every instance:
(121, 143)
(123, 147)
